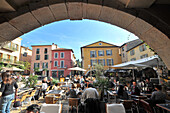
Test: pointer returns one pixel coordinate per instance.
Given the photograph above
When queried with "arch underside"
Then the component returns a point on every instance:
(139, 21)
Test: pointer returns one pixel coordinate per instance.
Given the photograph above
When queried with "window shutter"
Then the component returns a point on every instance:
(112, 62)
(90, 53)
(104, 62)
(111, 52)
(140, 48)
(34, 65)
(98, 61)
(95, 54)
(38, 65)
(103, 52)
(106, 52)
(98, 53)
(91, 62)
(107, 62)
(47, 65)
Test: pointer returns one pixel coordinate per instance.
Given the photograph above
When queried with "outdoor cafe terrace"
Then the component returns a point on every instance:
(56, 99)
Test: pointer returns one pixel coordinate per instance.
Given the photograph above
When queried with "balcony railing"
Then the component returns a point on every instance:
(4, 60)
(12, 48)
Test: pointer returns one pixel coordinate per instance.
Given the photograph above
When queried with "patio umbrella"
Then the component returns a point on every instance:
(12, 69)
(76, 69)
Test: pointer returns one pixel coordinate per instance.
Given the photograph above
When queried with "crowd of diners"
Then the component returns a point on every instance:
(86, 91)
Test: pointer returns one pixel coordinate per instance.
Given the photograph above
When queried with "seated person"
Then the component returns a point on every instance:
(72, 92)
(135, 89)
(122, 94)
(157, 96)
(34, 108)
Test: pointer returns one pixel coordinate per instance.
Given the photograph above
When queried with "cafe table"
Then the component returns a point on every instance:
(165, 107)
(111, 93)
(23, 90)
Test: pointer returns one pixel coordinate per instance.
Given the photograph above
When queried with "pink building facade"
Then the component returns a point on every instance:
(62, 59)
(41, 59)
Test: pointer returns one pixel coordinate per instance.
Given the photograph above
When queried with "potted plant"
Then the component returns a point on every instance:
(31, 81)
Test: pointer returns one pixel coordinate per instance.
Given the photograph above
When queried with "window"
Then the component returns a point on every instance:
(15, 59)
(132, 52)
(55, 63)
(144, 56)
(123, 55)
(108, 52)
(54, 74)
(133, 59)
(62, 63)
(101, 62)
(1, 55)
(36, 65)
(100, 43)
(101, 53)
(62, 55)
(60, 73)
(45, 51)
(25, 54)
(55, 55)
(109, 62)
(93, 62)
(45, 57)
(142, 47)
(92, 54)
(16, 47)
(46, 65)
(9, 45)
(38, 51)
(37, 57)
(122, 48)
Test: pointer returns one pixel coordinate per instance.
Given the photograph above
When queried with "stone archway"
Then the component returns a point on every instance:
(149, 20)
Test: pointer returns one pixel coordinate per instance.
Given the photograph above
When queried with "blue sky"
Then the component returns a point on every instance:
(75, 34)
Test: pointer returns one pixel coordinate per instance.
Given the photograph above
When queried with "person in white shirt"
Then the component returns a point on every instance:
(44, 86)
(90, 92)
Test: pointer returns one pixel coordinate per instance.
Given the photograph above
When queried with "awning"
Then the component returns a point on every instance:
(152, 61)
(76, 69)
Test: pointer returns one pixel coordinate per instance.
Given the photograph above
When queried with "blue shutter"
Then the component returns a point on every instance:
(98, 61)
(107, 62)
(106, 52)
(47, 65)
(98, 53)
(104, 61)
(111, 52)
(95, 54)
(112, 62)
(103, 52)
(91, 62)
(90, 53)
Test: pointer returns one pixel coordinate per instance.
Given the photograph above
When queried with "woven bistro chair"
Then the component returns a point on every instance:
(73, 102)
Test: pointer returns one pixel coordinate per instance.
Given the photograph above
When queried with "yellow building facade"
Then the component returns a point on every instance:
(100, 52)
(139, 52)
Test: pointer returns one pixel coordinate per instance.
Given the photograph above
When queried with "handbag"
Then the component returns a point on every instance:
(17, 104)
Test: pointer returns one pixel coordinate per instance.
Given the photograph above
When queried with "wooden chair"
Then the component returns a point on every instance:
(48, 88)
(22, 99)
(128, 105)
(73, 102)
(52, 87)
(31, 95)
(146, 106)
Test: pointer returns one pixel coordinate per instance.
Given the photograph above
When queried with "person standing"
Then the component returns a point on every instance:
(44, 86)
(7, 92)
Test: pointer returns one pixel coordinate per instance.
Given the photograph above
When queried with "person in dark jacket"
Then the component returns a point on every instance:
(122, 94)
(72, 92)
(7, 92)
